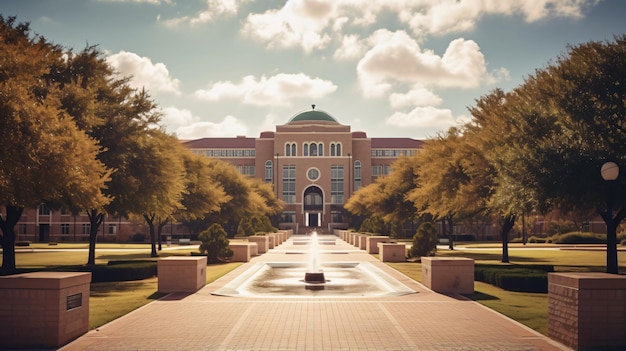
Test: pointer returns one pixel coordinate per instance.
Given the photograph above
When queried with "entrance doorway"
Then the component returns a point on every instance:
(313, 220)
(44, 232)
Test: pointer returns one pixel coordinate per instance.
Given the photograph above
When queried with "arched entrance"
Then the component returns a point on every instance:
(313, 206)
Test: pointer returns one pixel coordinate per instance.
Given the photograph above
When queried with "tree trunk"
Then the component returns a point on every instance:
(8, 237)
(450, 232)
(509, 221)
(160, 227)
(95, 219)
(150, 220)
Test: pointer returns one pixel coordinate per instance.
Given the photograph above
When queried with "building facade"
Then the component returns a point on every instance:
(314, 164)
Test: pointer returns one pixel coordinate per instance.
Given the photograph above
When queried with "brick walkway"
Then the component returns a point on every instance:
(421, 321)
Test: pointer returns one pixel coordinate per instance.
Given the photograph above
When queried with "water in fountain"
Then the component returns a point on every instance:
(314, 274)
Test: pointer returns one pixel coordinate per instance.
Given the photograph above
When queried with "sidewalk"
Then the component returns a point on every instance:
(421, 321)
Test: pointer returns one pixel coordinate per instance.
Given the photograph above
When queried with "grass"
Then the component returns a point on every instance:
(111, 300)
(530, 309)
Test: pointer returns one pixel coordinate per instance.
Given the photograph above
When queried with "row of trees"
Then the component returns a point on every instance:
(74, 136)
(538, 148)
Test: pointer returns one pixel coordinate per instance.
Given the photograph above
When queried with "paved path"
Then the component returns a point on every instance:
(420, 321)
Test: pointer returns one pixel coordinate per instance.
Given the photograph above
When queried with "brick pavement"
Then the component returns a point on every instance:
(421, 321)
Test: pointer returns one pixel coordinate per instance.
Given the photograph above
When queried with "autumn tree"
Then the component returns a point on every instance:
(44, 156)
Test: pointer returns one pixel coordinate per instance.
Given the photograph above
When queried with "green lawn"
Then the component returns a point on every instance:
(110, 300)
(530, 309)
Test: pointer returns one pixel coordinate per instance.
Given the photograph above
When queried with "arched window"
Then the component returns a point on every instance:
(287, 149)
(269, 171)
(293, 149)
(313, 149)
(320, 149)
(338, 149)
(305, 148)
(332, 149)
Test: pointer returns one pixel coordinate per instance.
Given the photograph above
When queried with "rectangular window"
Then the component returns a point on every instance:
(112, 229)
(289, 184)
(22, 229)
(246, 170)
(86, 228)
(65, 228)
(289, 217)
(336, 184)
(336, 217)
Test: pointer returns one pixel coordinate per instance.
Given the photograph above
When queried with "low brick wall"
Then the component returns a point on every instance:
(43, 309)
(448, 274)
(587, 311)
(262, 241)
(392, 252)
(371, 245)
(181, 274)
(242, 251)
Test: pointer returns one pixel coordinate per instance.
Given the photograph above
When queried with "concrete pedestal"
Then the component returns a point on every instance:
(262, 241)
(242, 251)
(391, 252)
(371, 245)
(449, 274)
(361, 241)
(181, 274)
(587, 311)
(43, 309)
(271, 241)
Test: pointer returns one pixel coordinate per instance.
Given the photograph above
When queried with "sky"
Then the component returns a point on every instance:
(392, 68)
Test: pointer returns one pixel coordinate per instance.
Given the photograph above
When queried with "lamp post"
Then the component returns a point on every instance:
(610, 172)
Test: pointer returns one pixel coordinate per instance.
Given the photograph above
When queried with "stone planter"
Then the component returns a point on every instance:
(181, 274)
(43, 309)
(449, 274)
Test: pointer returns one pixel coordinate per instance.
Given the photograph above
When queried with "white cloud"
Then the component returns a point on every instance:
(278, 90)
(425, 118)
(214, 9)
(186, 126)
(145, 74)
(351, 48)
(300, 23)
(310, 24)
(396, 57)
(417, 96)
(153, 2)
(442, 17)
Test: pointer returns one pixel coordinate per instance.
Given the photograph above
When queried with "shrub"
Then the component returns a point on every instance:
(531, 278)
(138, 238)
(424, 241)
(214, 243)
(580, 238)
(116, 271)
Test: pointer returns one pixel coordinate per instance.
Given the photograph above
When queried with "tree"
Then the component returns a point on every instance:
(579, 103)
(439, 178)
(424, 241)
(214, 243)
(44, 156)
(161, 183)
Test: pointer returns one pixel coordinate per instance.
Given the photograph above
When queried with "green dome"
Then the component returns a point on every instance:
(313, 115)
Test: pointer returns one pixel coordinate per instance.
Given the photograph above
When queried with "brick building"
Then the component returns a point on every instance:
(313, 162)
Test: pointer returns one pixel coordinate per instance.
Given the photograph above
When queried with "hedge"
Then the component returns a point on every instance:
(531, 278)
(112, 272)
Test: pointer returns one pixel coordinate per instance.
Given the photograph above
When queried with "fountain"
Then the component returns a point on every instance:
(314, 274)
(322, 269)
